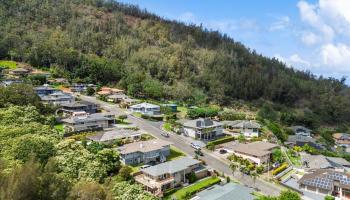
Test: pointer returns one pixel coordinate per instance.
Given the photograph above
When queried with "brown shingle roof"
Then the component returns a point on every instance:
(255, 148)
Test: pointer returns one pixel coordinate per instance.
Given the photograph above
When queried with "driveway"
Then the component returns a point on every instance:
(184, 144)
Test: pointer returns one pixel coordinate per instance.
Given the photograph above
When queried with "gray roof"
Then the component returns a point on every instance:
(112, 135)
(201, 123)
(145, 105)
(117, 96)
(298, 128)
(88, 118)
(78, 104)
(323, 162)
(56, 96)
(229, 191)
(242, 124)
(300, 138)
(144, 146)
(171, 166)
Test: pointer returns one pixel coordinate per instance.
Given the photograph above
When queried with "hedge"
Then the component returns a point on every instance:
(280, 169)
(150, 117)
(196, 187)
(221, 141)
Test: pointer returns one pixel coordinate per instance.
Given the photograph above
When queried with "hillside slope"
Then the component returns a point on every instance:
(110, 43)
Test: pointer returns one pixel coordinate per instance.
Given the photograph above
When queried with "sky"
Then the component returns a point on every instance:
(309, 35)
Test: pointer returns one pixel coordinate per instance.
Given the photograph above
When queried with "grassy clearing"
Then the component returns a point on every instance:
(136, 114)
(182, 111)
(59, 128)
(196, 187)
(8, 63)
(175, 153)
(296, 160)
(167, 126)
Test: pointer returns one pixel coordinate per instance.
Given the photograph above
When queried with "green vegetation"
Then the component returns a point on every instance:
(175, 153)
(8, 64)
(294, 158)
(59, 128)
(203, 112)
(285, 195)
(225, 139)
(280, 169)
(167, 126)
(189, 191)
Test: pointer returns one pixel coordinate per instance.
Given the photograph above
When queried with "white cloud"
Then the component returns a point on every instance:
(294, 61)
(309, 38)
(280, 24)
(337, 56)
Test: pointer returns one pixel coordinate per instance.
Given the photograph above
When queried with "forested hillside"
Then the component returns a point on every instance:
(106, 42)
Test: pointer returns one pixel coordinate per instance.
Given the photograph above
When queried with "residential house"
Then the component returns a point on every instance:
(57, 98)
(247, 128)
(327, 182)
(145, 108)
(20, 72)
(58, 81)
(205, 129)
(172, 107)
(85, 122)
(300, 140)
(301, 130)
(105, 91)
(258, 152)
(150, 151)
(45, 90)
(342, 139)
(228, 191)
(8, 82)
(110, 136)
(312, 162)
(40, 72)
(81, 87)
(116, 98)
(69, 108)
(159, 178)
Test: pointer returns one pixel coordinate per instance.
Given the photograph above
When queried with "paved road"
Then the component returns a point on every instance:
(183, 144)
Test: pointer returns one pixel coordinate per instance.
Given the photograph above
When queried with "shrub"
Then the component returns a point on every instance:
(202, 112)
(329, 197)
(220, 141)
(230, 115)
(279, 169)
(150, 117)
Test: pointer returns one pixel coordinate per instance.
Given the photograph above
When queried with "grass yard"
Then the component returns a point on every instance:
(136, 114)
(296, 160)
(167, 126)
(182, 111)
(175, 153)
(194, 188)
(8, 63)
(59, 128)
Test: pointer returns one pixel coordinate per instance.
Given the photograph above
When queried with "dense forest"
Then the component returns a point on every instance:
(106, 42)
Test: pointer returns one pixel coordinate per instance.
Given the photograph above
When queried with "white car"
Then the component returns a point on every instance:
(195, 146)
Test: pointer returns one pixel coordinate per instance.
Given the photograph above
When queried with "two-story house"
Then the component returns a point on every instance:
(57, 98)
(85, 122)
(144, 152)
(69, 108)
(165, 176)
(44, 90)
(146, 109)
(205, 129)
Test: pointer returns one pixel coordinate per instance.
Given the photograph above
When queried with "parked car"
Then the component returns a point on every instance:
(145, 166)
(164, 134)
(195, 146)
(223, 151)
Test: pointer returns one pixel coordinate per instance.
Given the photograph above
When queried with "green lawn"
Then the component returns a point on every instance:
(182, 111)
(196, 187)
(8, 63)
(59, 128)
(136, 114)
(167, 126)
(296, 160)
(175, 153)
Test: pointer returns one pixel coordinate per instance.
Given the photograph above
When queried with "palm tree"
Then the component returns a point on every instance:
(254, 175)
(233, 167)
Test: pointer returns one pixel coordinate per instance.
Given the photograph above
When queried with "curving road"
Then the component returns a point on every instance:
(183, 144)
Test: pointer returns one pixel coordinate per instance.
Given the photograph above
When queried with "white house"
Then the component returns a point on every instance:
(146, 109)
(205, 129)
(246, 127)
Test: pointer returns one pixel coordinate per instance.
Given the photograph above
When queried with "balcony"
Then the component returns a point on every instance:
(151, 183)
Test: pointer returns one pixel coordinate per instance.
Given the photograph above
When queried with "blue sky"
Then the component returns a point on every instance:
(309, 35)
